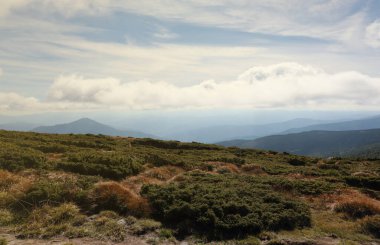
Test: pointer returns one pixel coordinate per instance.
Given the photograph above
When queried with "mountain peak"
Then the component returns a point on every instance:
(85, 120)
(88, 126)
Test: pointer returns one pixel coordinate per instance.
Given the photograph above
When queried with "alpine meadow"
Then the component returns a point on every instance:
(171, 122)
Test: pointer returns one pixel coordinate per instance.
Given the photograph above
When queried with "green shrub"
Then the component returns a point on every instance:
(50, 221)
(165, 233)
(51, 148)
(371, 225)
(157, 160)
(235, 160)
(15, 158)
(57, 191)
(364, 182)
(175, 145)
(6, 217)
(106, 164)
(143, 226)
(296, 162)
(305, 187)
(224, 206)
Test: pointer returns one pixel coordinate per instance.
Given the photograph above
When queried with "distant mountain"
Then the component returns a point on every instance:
(360, 124)
(18, 126)
(88, 126)
(229, 132)
(315, 143)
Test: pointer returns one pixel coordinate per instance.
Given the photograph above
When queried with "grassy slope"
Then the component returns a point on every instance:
(214, 191)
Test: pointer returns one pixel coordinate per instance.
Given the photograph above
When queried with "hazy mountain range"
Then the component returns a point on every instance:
(315, 143)
(88, 126)
(355, 138)
(229, 132)
(298, 136)
(366, 123)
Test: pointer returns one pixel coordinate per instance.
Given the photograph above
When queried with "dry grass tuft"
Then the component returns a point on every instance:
(253, 169)
(113, 196)
(12, 187)
(357, 206)
(222, 167)
(154, 175)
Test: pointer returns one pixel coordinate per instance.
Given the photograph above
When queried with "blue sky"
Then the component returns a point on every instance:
(96, 55)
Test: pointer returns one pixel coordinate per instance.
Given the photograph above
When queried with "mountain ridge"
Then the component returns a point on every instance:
(313, 143)
(89, 126)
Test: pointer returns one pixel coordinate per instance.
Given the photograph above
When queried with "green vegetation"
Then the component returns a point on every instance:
(15, 158)
(225, 206)
(111, 188)
(106, 164)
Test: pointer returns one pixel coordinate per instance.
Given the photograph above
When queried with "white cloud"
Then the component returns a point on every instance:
(11, 102)
(6, 6)
(373, 34)
(1, 72)
(285, 85)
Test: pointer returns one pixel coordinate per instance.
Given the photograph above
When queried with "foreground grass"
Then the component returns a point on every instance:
(109, 188)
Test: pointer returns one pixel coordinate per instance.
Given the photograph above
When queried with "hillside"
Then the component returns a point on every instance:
(88, 126)
(96, 189)
(360, 124)
(228, 132)
(314, 143)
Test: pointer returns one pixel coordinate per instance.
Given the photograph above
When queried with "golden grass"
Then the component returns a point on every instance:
(357, 205)
(104, 192)
(154, 175)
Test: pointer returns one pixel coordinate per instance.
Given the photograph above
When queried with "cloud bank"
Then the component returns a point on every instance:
(284, 85)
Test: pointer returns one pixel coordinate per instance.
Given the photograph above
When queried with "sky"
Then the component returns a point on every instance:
(160, 55)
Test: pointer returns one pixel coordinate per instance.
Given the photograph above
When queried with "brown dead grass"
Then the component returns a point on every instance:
(155, 175)
(117, 197)
(352, 203)
(359, 207)
(253, 169)
(13, 187)
(220, 166)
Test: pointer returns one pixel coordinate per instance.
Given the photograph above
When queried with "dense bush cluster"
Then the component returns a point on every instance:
(304, 187)
(364, 182)
(222, 206)
(106, 164)
(56, 191)
(15, 158)
(175, 145)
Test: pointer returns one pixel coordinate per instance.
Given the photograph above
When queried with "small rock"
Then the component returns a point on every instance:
(122, 222)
